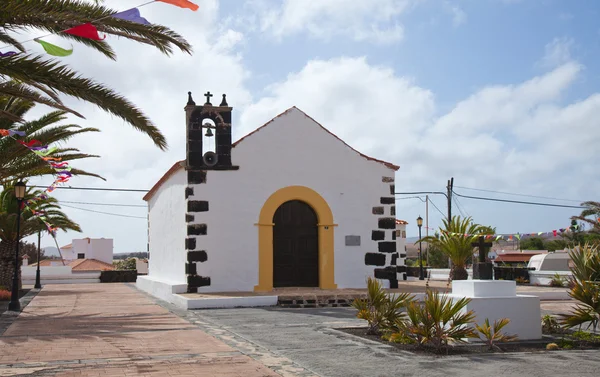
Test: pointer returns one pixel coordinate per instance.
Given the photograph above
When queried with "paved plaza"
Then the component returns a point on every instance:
(116, 330)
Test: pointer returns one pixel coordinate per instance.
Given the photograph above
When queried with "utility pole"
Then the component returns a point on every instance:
(427, 225)
(450, 187)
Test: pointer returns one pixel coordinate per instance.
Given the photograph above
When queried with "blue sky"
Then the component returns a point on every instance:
(501, 94)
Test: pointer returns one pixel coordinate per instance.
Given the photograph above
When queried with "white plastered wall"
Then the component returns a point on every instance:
(293, 150)
(167, 230)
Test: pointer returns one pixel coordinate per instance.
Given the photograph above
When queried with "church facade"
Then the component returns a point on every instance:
(288, 205)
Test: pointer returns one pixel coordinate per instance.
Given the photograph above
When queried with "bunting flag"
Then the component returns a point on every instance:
(53, 49)
(182, 4)
(87, 30)
(62, 173)
(7, 54)
(132, 15)
(510, 237)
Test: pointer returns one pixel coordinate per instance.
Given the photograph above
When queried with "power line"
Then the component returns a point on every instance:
(524, 195)
(95, 188)
(436, 207)
(518, 201)
(106, 213)
(106, 204)
(460, 206)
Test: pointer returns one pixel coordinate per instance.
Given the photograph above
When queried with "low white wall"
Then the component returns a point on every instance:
(141, 267)
(162, 289)
(545, 277)
(444, 273)
(58, 275)
(46, 271)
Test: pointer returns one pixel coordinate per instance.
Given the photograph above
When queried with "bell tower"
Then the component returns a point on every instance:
(203, 123)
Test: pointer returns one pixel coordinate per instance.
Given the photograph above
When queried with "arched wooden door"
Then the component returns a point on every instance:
(295, 246)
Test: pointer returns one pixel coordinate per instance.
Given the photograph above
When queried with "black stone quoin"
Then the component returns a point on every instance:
(387, 223)
(198, 281)
(196, 177)
(387, 246)
(388, 200)
(374, 259)
(189, 218)
(197, 206)
(190, 243)
(197, 256)
(378, 210)
(377, 235)
(197, 230)
(190, 268)
(189, 191)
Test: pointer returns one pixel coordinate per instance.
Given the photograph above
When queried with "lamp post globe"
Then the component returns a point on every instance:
(421, 274)
(14, 304)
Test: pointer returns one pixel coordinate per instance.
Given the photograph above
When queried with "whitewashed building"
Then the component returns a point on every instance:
(288, 205)
(89, 248)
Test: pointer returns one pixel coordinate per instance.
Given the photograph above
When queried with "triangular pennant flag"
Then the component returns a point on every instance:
(53, 49)
(7, 54)
(85, 31)
(498, 237)
(540, 233)
(518, 236)
(182, 4)
(132, 15)
(554, 233)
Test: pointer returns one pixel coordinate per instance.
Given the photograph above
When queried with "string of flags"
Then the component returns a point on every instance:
(61, 169)
(89, 31)
(513, 236)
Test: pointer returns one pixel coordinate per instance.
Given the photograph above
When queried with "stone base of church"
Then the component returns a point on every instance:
(496, 299)
(161, 289)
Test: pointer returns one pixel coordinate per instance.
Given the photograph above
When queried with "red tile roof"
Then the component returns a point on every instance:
(180, 164)
(401, 222)
(514, 257)
(79, 265)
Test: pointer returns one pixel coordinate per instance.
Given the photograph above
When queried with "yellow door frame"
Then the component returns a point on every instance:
(265, 235)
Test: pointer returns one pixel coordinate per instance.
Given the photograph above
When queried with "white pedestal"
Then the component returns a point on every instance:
(495, 299)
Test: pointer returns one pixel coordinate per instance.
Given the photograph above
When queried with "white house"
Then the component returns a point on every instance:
(289, 204)
(89, 248)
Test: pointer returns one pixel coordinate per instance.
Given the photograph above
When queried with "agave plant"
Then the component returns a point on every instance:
(493, 334)
(381, 311)
(30, 224)
(440, 321)
(41, 80)
(585, 287)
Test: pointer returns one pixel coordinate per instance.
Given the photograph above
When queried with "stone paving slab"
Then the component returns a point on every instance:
(113, 330)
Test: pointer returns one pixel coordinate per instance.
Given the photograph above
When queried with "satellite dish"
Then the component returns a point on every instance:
(210, 158)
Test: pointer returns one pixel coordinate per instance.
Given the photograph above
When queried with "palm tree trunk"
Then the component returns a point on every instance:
(459, 273)
(7, 264)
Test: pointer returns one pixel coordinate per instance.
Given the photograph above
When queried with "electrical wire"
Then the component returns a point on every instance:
(436, 207)
(517, 201)
(524, 195)
(106, 213)
(106, 204)
(95, 189)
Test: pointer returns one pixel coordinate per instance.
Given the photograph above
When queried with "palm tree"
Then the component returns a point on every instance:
(457, 246)
(592, 210)
(16, 161)
(30, 224)
(41, 80)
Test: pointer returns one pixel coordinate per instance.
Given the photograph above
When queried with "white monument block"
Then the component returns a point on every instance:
(496, 299)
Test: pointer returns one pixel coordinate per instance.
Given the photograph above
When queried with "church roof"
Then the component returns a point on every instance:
(180, 164)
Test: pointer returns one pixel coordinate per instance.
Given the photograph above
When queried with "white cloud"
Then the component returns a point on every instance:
(516, 137)
(459, 16)
(373, 21)
(557, 52)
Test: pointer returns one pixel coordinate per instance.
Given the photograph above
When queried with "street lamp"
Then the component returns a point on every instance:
(14, 304)
(38, 283)
(420, 224)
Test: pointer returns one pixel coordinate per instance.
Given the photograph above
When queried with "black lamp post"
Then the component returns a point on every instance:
(420, 224)
(38, 283)
(14, 304)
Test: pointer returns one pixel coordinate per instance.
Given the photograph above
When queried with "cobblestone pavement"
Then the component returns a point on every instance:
(307, 337)
(112, 330)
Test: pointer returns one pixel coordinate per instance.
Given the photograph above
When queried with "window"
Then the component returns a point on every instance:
(81, 256)
(404, 234)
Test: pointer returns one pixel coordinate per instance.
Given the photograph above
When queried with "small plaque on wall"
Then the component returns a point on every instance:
(352, 240)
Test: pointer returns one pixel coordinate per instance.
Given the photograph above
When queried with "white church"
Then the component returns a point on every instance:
(288, 205)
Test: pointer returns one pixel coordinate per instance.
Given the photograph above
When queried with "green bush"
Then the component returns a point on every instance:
(493, 334)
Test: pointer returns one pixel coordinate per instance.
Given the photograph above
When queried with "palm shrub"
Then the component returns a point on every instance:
(457, 246)
(585, 287)
(42, 80)
(382, 312)
(439, 321)
(493, 334)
